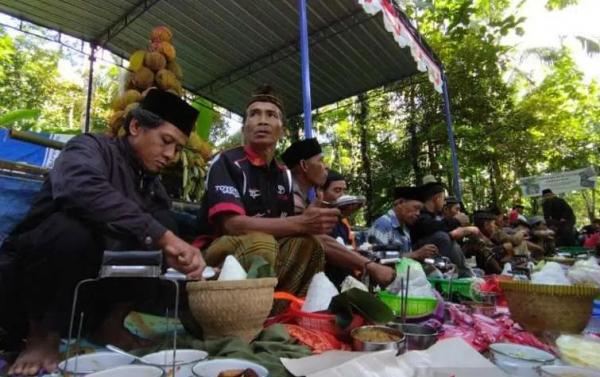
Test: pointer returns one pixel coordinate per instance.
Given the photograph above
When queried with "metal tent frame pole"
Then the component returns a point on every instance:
(88, 104)
(456, 175)
(305, 63)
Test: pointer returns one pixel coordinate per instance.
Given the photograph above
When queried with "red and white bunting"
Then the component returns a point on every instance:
(402, 35)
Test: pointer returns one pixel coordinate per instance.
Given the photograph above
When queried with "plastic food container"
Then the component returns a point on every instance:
(567, 371)
(518, 360)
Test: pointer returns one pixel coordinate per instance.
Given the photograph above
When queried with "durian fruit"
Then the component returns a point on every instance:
(130, 96)
(166, 80)
(129, 81)
(164, 48)
(176, 69)
(143, 78)
(130, 107)
(155, 61)
(118, 104)
(115, 119)
(115, 122)
(161, 34)
(149, 69)
(136, 60)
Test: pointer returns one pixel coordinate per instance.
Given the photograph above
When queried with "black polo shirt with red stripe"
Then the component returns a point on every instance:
(241, 182)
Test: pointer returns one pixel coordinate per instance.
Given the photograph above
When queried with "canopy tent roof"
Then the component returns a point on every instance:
(228, 47)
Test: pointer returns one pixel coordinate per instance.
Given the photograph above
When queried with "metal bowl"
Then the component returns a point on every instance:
(418, 337)
(361, 339)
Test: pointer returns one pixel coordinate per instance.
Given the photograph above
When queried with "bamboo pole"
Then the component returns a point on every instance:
(33, 138)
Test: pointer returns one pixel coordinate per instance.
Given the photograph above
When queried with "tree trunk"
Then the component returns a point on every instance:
(589, 203)
(364, 154)
(493, 184)
(415, 146)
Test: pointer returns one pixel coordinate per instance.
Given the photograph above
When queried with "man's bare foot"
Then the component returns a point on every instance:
(40, 354)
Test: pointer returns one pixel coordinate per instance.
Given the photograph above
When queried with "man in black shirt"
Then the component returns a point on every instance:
(559, 217)
(102, 193)
(305, 160)
(430, 229)
(248, 207)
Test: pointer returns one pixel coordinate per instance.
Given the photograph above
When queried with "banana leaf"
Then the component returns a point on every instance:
(357, 301)
(260, 268)
(17, 115)
(205, 117)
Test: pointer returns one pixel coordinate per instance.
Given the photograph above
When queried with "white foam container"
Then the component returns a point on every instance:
(518, 360)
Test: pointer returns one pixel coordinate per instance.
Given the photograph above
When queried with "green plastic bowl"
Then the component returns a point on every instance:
(416, 306)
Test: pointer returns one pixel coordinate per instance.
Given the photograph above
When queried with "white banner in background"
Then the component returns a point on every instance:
(560, 182)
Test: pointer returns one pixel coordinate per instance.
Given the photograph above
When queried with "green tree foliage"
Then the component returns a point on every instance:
(30, 79)
(505, 129)
(27, 73)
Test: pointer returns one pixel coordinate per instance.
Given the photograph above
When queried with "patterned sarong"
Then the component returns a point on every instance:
(295, 259)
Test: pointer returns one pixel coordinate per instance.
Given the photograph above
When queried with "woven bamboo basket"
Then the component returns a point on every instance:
(231, 308)
(555, 308)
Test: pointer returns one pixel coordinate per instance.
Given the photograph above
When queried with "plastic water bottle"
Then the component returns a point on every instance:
(593, 326)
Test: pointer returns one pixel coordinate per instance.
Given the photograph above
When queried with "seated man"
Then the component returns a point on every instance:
(392, 227)
(333, 189)
(305, 160)
(102, 193)
(429, 230)
(489, 256)
(451, 208)
(248, 207)
(542, 235)
(514, 213)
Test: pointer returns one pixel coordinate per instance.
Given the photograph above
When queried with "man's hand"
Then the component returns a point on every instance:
(462, 218)
(182, 256)
(382, 275)
(317, 220)
(471, 231)
(464, 231)
(427, 251)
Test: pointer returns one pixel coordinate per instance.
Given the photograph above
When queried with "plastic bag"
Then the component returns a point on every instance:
(585, 272)
(320, 292)
(350, 282)
(579, 350)
(418, 285)
(232, 270)
(552, 274)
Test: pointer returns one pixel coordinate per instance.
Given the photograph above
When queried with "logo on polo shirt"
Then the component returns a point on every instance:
(228, 190)
(254, 193)
(280, 189)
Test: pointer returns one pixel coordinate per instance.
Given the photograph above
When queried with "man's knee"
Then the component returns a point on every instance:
(306, 249)
(58, 236)
(440, 239)
(243, 247)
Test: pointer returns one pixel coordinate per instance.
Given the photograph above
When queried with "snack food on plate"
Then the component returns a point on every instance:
(248, 372)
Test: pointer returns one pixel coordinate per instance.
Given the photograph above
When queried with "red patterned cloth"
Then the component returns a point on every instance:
(317, 341)
(480, 331)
